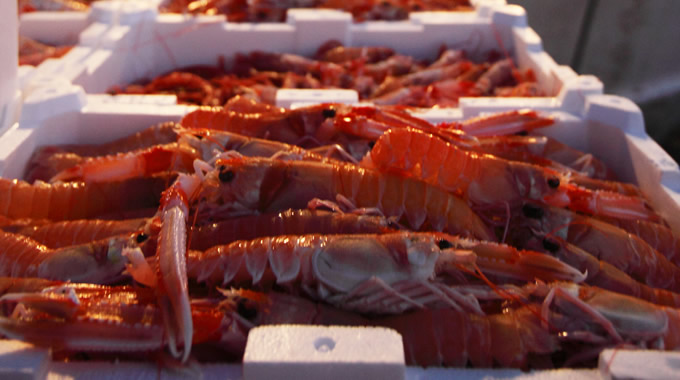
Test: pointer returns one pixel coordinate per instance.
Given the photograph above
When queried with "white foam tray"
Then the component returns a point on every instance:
(158, 43)
(57, 111)
(84, 30)
(10, 96)
(611, 127)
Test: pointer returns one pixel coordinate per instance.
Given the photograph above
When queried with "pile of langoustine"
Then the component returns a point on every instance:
(25, 6)
(480, 243)
(33, 53)
(275, 11)
(378, 74)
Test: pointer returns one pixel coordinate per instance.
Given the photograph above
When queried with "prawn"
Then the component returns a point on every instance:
(97, 262)
(245, 186)
(77, 200)
(488, 180)
(380, 274)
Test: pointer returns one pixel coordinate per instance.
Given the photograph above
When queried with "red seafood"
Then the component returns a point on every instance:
(488, 180)
(381, 274)
(33, 53)
(75, 232)
(78, 200)
(92, 318)
(49, 160)
(202, 144)
(246, 186)
(53, 5)
(658, 236)
(623, 250)
(98, 262)
(288, 222)
(541, 150)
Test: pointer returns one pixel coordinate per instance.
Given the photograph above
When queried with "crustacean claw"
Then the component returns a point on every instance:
(122, 166)
(507, 261)
(600, 202)
(139, 267)
(172, 245)
(60, 301)
(505, 123)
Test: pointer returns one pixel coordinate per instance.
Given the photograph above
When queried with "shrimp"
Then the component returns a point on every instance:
(288, 222)
(445, 337)
(77, 200)
(381, 274)
(33, 53)
(163, 133)
(536, 149)
(75, 232)
(328, 73)
(172, 288)
(625, 251)
(179, 157)
(599, 273)
(49, 160)
(658, 236)
(76, 317)
(136, 164)
(52, 5)
(97, 262)
(246, 186)
(333, 51)
(249, 118)
(501, 123)
(423, 77)
(488, 180)
(498, 74)
(189, 88)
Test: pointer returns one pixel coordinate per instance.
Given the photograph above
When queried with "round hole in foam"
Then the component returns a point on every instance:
(324, 344)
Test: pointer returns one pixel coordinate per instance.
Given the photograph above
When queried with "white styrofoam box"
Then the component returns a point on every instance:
(84, 30)
(610, 127)
(288, 97)
(8, 65)
(323, 352)
(618, 364)
(167, 42)
(61, 28)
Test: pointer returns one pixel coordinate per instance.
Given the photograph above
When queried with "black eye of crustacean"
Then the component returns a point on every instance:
(198, 137)
(226, 175)
(371, 144)
(142, 237)
(554, 182)
(246, 311)
(328, 113)
(550, 245)
(444, 244)
(532, 211)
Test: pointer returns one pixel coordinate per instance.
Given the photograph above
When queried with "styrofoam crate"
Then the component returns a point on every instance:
(610, 127)
(167, 42)
(10, 96)
(85, 31)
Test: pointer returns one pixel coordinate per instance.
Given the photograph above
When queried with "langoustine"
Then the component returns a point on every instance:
(78, 200)
(625, 251)
(243, 186)
(381, 274)
(97, 262)
(488, 180)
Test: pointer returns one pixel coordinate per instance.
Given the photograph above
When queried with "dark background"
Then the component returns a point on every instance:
(633, 46)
